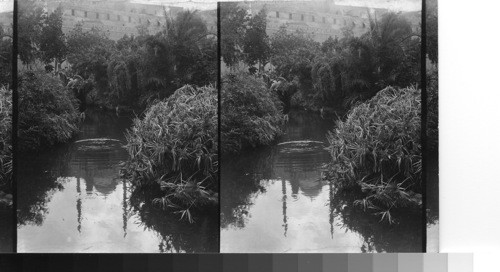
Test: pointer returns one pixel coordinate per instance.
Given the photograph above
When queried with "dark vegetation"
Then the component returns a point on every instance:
(5, 140)
(378, 149)
(159, 77)
(5, 117)
(129, 73)
(47, 111)
(251, 114)
(333, 74)
(405, 236)
(174, 148)
(375, 148)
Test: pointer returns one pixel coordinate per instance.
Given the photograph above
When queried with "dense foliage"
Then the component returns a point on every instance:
(175, 147)
(378, 148)
(335, 73)
(250, 113)
(47, 111)
(128, 73)
(244, 37)
(5, 117)
(5, 57)
(5, 139)
(232, 19)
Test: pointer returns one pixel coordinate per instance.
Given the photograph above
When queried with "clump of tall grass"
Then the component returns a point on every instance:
(47, 111)
(251, 114)
(377, 148)
(174, 147)
(5, 139)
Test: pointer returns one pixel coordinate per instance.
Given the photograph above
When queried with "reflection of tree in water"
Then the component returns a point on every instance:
(37, 184)
(38, 173)
(240, 181)
(243, 177)
(301, 167)
(98, 170)
(404, 236)
(177, 235)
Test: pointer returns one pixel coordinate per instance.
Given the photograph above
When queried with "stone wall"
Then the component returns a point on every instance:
(319, 19)
(119, 18)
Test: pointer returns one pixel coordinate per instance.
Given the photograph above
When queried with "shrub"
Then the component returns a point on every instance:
(5, 139)
(377, 148)
(47, 111)
(174, 148)
(251, 114)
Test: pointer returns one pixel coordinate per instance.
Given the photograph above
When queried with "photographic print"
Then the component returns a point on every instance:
(118, 143)
(321, 126)
(6, 189)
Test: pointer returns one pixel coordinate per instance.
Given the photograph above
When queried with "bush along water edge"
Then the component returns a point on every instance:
(173, 149)
(48, 111)
(376, 151)
(252, 114)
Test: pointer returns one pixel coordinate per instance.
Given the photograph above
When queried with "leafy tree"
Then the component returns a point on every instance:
(29, 29)
(233, 20)
(256, 42)
(5, 57)
(123, 70)
(191, 44)
(89, 53)
(293, 54)
(397, 50)
(52, 39)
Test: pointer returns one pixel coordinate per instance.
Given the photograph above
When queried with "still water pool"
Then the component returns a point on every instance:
(273, 199)
(71, 199)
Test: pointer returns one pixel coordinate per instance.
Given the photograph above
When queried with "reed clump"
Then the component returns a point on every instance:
(174, 149)
(47, 111)
(251, 114)
(5, 139)
(377, 149)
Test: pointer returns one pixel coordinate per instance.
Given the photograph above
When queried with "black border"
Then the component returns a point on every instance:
(14, 125)
(423, 126)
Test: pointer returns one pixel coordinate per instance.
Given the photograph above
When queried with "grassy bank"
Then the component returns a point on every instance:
(251, 114)
(377, 149)
(47, 111)
(173, 148)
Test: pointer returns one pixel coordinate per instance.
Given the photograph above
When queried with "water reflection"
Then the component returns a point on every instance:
(273, 199)
(403, 236)
(71, 199)
(6, 230)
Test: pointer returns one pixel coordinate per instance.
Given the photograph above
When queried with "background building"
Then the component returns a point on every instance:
(320, 19)
(120, 17)
(6, 19)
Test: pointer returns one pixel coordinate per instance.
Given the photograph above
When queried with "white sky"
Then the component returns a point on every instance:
(196, 4)
(397, 5)
(6, 5)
